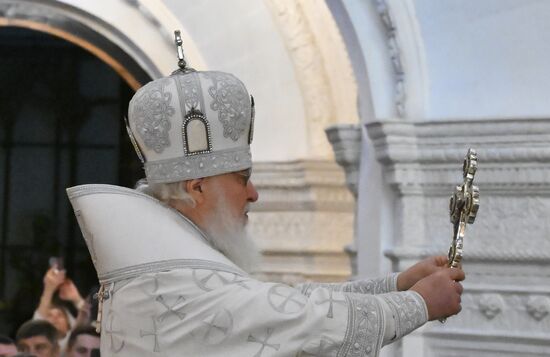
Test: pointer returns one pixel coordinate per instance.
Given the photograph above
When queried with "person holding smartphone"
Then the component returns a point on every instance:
(56, 282)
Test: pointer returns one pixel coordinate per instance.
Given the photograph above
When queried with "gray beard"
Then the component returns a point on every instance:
(229, 236)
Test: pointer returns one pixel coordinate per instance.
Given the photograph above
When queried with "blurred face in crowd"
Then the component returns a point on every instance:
(7, 350)
(58, 318)
(39, 346)
(83, 346)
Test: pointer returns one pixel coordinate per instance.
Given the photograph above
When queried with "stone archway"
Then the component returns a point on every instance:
(60, 21)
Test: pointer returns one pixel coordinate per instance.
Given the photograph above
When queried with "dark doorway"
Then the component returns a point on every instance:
(61, 125)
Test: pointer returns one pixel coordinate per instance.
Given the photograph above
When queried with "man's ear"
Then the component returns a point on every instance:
(194, 189)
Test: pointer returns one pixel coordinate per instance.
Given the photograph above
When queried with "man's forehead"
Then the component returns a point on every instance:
(7, 348)
(34, 340)
(245, 172)
(87, 340)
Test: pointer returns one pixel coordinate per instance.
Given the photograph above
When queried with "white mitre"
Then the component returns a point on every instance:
(192, 124)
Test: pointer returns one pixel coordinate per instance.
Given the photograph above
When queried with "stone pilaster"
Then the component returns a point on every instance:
(346, 144)
(506, 303)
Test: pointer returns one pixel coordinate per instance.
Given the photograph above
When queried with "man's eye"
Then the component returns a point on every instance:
(244, 176)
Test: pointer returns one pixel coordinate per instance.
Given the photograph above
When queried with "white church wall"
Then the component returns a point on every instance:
(445, 60)
(466, 74)
(377, 99)
(255, 53)
(241, 37)
(367, 23)
(148, 27)
(486, 59)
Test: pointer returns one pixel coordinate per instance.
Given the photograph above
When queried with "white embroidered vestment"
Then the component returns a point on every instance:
(166, 292)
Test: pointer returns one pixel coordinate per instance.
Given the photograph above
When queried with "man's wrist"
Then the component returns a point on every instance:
(401, 282)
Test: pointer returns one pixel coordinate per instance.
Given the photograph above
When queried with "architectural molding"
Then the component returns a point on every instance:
(336, 60)
(153, 19)
(85, 30)
(302, 221)
(457, 343)
(423, 156)
(395, 55)
(346, 140)
(498, 140)
(346, 143)
(506, 251)
(490, 305)
(475, 251)
(538, 307)
(322, 68)
(166, 22)
(516, 315)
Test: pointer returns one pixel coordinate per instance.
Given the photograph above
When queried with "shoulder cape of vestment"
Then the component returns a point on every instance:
(129, 233)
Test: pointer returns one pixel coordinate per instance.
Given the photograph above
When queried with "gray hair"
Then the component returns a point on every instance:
(165, 192)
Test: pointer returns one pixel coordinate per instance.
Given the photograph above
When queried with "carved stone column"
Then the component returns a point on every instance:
(346, 143)
(506, 301)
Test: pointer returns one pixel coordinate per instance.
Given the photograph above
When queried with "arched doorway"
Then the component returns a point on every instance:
(61, 111)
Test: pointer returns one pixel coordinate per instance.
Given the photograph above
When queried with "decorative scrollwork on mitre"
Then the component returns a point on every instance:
(491, 305)
(538, 307)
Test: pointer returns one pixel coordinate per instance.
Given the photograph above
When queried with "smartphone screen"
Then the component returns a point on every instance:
(56, 262)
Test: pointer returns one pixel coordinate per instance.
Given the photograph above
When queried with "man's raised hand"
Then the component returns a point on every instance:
(441, 292)
(420, 270)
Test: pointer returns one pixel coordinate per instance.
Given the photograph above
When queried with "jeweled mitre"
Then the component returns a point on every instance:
(192, 124)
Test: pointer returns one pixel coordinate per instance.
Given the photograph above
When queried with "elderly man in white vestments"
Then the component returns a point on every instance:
(172, 256)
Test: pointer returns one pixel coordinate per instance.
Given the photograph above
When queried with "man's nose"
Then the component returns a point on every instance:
(252, 193)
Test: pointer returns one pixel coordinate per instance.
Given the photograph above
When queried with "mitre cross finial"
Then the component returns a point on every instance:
(182, 64)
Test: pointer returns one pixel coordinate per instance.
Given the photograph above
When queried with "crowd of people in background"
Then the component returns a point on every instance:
(54, 331)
